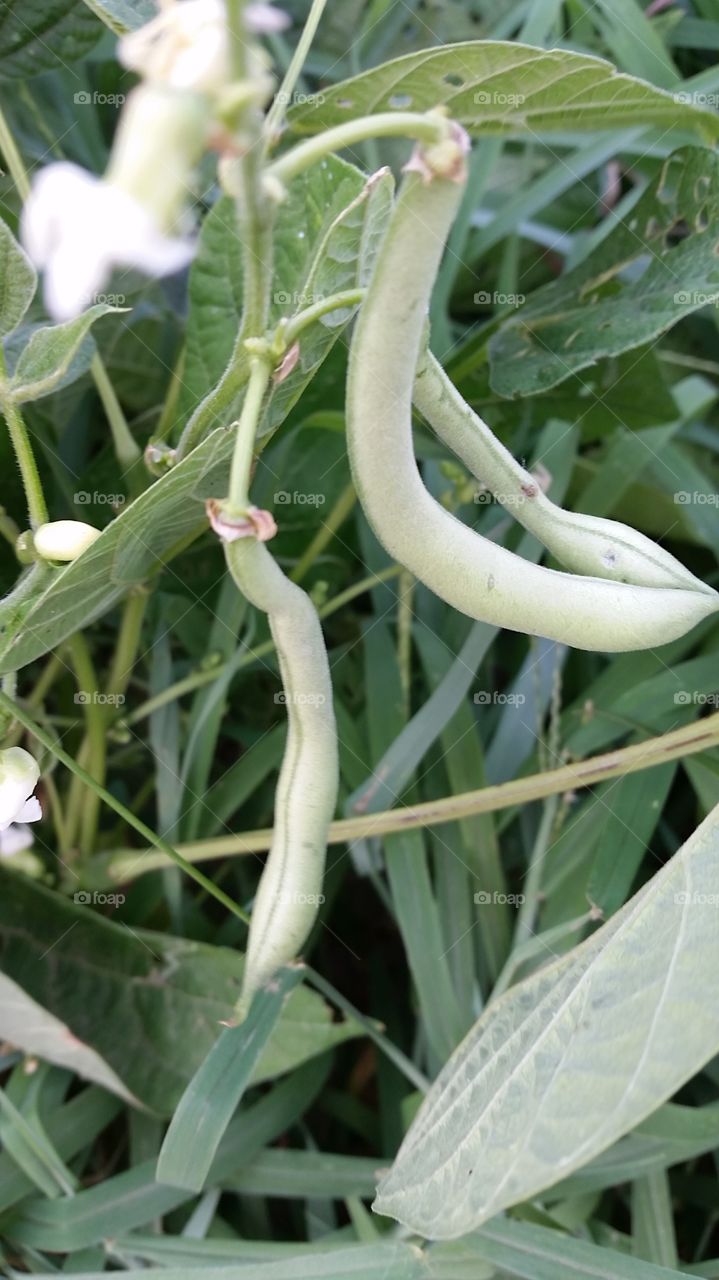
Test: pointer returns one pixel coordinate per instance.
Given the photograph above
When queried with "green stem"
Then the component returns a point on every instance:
(335, 302)
(238, 497)
(13, 159)
(339, 513)
(8, 529)
(127, 450)
(276, 113)
(533, 880)
(197, 679)
(20, 439)
(395, 124)
(128, 642)
(390, 1050)
(156, 841)
(699, 736)
(82, 808)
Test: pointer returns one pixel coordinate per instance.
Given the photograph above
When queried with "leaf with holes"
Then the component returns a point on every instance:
(569, 1060)
(656, 266)
(498, 87)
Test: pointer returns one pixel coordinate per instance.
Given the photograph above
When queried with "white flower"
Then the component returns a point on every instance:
(64, 539)
(77, 228)
(184, 47)
(19, 772)
(15, 839)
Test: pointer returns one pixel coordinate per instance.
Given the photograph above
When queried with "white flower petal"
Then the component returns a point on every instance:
(31, 811)
(19, 772)
(14, 840)
(78, 227)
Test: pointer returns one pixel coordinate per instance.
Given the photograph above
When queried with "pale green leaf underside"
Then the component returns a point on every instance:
(498, 87)
(600, 308)
(568, 1061)
(18, 281)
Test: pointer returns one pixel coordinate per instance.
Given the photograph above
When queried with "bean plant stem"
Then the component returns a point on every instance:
(699, 736)
(241, 469)
(395, 124)
(81, 808)
(326, 532)
(20, 439)
(276, 113)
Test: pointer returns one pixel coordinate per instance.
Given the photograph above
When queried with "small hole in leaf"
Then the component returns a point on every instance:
(400, 100)
(344, 103)
(701, 186)
(452, 78)
(652, 228)
(674, 234)
(701, 222)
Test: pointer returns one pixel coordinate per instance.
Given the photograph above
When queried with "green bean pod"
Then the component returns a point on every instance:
(469, 572)
(290, 888)
(582, 543)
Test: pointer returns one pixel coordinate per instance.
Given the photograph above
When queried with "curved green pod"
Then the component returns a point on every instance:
(469, 572)
(583, 543)
(290, 888)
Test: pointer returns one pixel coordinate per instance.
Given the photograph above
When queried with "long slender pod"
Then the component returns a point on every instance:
(289, 894)
(469, 572)
(583, 543)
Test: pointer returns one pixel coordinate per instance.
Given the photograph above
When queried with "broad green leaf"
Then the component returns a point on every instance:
(18, 281)
(214, 1092)
(135, 545)
(656, 266)
(122, 16)
(363, 1261)
(568, 1061)
(536, 1253)
(134, 1198)
(182, 1251)
(499, 87)
(326, 234)
(63, 967)
(39, 35)
(49, 355)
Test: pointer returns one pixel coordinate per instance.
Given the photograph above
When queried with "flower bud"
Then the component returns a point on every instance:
(64, 539)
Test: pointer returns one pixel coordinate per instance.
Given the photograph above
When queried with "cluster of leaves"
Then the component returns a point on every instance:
(595, 199)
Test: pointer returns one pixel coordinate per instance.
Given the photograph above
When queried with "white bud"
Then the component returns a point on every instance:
(64, 539)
